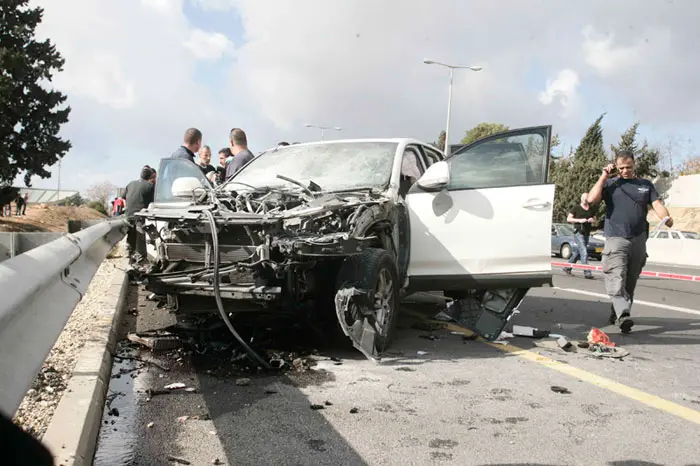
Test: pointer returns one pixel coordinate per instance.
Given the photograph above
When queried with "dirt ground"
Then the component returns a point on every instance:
(684, 218)
(44, 217)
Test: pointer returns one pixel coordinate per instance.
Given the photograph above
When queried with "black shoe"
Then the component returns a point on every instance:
(588, 276)
(567, 271)
(625, 323)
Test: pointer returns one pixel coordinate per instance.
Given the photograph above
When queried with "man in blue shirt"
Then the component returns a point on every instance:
(627, 201)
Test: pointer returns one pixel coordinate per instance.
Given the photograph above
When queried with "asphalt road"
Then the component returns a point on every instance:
(462, 402)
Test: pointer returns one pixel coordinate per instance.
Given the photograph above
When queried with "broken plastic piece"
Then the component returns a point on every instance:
(175, 386)
(156, 342)
(421, 353)
(564, 344)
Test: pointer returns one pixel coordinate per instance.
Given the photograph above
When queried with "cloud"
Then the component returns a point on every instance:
(138, 73)
(562, 89)
(208, 45)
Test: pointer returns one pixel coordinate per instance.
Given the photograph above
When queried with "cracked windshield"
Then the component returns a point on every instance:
(313, 232)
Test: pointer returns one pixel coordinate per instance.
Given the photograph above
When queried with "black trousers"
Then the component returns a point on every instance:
(135, 241)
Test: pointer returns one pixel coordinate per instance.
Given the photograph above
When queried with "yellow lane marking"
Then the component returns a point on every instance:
(632, 393)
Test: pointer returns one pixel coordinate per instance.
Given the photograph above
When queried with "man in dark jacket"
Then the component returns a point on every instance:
(138, 194)
(190, 145)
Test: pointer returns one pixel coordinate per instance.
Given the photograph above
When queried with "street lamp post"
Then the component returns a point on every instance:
(323, 128)
(449, 98)
(58, 190)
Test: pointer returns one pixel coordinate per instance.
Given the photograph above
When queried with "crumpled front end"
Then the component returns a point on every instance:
(272, 247)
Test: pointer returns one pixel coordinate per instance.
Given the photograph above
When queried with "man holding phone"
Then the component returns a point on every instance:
(627, 200)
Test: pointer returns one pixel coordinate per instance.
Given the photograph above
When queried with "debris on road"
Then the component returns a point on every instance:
(113, 412)
(242, 382)
(596, 336)
(216, 461)
(565, 344)
(175, 386)
(503, 338)
(182, 418)
(150, 424)
(562, 390)
(405, 369)
(428, 326)
(156, 341)
(421, 353)
(316, 407)
(174, 459)
(354, 411)
(525, 331)
(327, 403)
(429, 337)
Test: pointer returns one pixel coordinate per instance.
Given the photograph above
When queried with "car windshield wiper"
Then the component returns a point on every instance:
(311, 189)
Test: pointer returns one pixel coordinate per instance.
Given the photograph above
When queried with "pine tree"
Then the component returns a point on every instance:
(646, 158)
(31, 114)
(583, 171)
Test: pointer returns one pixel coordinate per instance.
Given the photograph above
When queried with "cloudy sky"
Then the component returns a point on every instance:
(139, 72)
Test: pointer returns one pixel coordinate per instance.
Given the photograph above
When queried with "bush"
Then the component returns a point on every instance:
(98, 206)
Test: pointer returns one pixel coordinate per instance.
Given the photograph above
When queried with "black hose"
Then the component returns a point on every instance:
(217, 294)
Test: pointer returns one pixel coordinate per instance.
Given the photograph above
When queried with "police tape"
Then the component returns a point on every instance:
(645, 273)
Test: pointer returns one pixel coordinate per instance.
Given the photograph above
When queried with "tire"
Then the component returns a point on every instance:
(374, 269)
(565, 251)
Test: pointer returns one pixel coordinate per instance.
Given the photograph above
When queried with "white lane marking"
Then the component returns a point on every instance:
(643, 303)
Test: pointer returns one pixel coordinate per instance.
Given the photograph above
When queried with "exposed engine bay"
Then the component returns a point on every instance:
(268, 249)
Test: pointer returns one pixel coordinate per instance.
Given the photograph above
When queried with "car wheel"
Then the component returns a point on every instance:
(373, 270)
(565, 251)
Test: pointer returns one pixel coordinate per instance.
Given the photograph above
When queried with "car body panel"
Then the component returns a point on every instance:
(487, 228)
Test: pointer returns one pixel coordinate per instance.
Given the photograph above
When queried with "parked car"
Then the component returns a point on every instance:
(345, 228)
(674, 235)
(563, 242)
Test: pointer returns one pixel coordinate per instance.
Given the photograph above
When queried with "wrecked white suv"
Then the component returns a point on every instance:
(342, 229)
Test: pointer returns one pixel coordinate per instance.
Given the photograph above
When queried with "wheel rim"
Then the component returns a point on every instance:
(384, 300)
(566, 251)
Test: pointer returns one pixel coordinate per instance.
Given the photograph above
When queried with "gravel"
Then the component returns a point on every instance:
(40, 402)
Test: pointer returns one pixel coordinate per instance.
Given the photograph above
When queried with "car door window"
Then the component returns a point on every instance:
(411, 169)
(518, 159)
(431, 156)
(662, 235)
(674, 235)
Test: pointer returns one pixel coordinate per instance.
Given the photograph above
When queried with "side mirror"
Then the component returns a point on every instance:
(436, 177)
(185, 186)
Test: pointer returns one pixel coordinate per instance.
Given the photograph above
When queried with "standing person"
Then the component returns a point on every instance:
(239, 148)
(225, 156)
(24, 204)
(582, 216)
(192, 141)
(204, 159)
(19, 204)
(138, 194)
(627, 200)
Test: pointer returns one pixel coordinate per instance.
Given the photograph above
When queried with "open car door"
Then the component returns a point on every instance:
(480, 227)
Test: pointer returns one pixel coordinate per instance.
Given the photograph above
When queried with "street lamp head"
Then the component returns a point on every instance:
(428, 62)
(337, 128)
(475, 68)
(308, 125)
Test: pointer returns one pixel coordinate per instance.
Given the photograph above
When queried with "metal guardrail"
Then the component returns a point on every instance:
(39, 290)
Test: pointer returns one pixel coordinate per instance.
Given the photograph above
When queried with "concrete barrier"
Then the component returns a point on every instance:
(674, 252)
